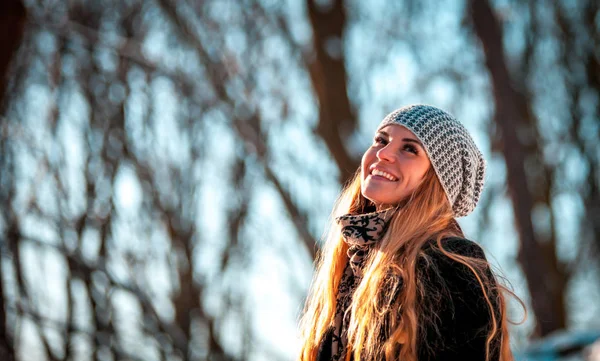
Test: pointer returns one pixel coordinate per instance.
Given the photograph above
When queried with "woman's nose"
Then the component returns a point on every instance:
(386, 153)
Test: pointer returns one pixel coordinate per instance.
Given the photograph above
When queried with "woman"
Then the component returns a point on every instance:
(396, 279)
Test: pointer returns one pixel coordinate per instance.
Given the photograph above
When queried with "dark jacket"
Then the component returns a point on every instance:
(459, 331)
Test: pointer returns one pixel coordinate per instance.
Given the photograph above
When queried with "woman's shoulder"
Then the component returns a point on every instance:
(454, 245)
(437, 266)
(455, 312)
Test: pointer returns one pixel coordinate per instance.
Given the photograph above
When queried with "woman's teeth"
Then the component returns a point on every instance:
(384, 174)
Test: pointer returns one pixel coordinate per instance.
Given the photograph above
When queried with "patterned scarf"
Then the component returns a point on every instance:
(360, 232)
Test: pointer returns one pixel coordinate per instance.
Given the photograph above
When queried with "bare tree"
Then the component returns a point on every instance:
(535, 177)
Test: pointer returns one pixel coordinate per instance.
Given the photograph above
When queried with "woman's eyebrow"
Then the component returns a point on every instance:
(413, 141)
(410, 140)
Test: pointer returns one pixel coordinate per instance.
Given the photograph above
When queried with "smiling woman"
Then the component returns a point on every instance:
(396, 278)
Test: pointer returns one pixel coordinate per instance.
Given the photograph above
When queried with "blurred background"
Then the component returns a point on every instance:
(168, 167)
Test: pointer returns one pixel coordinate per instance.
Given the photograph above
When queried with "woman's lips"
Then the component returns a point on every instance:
(380, 178)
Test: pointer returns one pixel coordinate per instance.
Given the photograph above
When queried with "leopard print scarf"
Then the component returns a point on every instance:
(360, 232)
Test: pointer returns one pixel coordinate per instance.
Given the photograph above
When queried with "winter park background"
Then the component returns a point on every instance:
(167, 168)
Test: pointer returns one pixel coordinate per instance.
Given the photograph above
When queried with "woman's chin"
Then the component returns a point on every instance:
(378, 200)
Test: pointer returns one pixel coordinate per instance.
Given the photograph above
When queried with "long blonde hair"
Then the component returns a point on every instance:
(425, 215)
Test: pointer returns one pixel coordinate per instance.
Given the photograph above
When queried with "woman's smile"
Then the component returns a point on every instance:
(378, 174)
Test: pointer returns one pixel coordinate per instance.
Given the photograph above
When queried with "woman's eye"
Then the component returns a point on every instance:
(411, 148)
(379, 140)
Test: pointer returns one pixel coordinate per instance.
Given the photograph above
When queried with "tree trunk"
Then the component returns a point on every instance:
(337, 120)
(7, 351)
(12, 22)
(546, 282)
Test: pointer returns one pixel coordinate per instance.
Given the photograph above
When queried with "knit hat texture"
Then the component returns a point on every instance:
(457, 161)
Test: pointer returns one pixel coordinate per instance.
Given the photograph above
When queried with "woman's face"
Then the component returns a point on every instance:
(397, 153)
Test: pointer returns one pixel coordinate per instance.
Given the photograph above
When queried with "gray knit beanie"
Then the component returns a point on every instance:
(452, 152)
